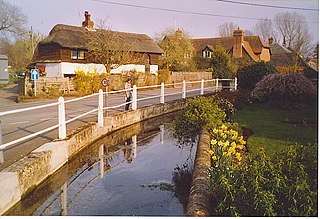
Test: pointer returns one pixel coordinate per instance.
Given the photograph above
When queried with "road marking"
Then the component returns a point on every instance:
(16, 123)
(47, 119)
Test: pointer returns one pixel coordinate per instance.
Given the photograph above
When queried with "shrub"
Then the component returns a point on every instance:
(238, 98)
(262, 186)
(285, 90)
(252, 74)
(200, 112)
(88, 83)
(164, 76)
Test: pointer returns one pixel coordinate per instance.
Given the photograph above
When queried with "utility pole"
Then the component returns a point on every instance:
(32, 43)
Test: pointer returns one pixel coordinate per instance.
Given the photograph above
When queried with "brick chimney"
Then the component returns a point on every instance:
(88, 23)
(237, 47)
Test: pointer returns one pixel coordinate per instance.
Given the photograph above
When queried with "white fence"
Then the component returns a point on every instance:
(213, 85)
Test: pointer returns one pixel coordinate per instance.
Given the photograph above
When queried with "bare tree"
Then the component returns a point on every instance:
(265, 29)
(294, 32)
(109, 48)
(12, 20)
(226, 29)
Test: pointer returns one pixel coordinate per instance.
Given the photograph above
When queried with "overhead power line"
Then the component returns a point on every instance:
(268, 6)
(182, 11)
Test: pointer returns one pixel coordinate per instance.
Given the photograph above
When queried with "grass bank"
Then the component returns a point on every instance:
(274, 129)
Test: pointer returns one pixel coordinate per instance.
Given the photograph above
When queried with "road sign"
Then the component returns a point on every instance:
(105, 82)
(34, 74)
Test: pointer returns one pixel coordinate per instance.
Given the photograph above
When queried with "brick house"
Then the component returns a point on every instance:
(239, 46)
(66, 50)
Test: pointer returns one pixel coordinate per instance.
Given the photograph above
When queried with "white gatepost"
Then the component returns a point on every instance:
(235, 83)
(202, 87)
(100, 108)
(217, 84)
(62, 119)
(162, 93)
(184, 89)
(134, 97)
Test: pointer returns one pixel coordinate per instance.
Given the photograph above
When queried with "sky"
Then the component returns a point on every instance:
(200, 18)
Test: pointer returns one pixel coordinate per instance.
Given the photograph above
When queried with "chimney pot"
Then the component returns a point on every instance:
(88, 23)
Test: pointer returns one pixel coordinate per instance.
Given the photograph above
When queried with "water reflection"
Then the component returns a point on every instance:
(97, 165)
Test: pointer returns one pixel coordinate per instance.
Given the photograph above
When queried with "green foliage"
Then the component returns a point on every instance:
(236, 98)
(178, 50)
(222, 65)
(163, 76)
(200, 112)
(88, 83)
(262, 186)
(285, 90)
(249, 75)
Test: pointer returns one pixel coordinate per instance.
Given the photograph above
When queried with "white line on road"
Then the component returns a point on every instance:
(48, 119)
(16, 123)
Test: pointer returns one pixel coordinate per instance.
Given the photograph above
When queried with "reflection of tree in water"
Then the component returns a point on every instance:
(181, 178)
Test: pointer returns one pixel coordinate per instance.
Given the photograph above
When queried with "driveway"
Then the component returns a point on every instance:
(9, 95)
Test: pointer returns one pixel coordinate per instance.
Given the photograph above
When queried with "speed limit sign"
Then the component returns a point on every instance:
(105, 82)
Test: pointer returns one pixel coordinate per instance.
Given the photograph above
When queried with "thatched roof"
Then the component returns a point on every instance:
(79, 38)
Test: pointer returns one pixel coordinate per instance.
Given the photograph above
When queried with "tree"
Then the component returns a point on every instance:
(293, 32)
(108, 48)
(221, 63)
(226, 29)
(12, 20)
(178, 50)
(265, 29)
(20, 52)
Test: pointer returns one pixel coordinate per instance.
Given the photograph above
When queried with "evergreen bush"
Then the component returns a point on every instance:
(249, 75)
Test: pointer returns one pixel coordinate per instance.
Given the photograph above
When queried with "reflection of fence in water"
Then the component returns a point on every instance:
(104, 166)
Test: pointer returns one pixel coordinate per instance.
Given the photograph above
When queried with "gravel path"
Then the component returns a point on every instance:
(9, 95)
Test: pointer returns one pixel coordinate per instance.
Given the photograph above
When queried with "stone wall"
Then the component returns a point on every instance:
(199, 197)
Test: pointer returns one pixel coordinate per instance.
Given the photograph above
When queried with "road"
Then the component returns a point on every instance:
(18, 125)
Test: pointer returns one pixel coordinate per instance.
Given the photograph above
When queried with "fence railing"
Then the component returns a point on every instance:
(213, 85)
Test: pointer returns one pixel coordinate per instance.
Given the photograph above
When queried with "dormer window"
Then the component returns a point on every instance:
(77, 54)
(206, 54)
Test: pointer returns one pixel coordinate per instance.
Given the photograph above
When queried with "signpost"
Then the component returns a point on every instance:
(34, 78)
(106, 83)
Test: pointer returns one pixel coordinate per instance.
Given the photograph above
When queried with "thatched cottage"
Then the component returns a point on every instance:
(68, 49)
(239, 46)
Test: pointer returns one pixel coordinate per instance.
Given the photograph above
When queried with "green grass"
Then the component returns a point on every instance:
(274, 129)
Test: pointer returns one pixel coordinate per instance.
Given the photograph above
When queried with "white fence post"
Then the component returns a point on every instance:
(134, 97)
(202, 87)
(184, 89)
(235, 83)
(62, 119)
(100, 108)
(162, 93)
(217, 84)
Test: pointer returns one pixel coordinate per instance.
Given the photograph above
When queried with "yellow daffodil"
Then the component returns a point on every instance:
(215, 131)
(214, 157)
(233, 144)
(220, 143)
(227, 143)
(213, 141)
(211, 152)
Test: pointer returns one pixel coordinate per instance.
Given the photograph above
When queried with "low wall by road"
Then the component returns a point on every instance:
(28, 172)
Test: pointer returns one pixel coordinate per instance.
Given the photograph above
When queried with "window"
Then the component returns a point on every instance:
(206, 54)
(77, 54)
